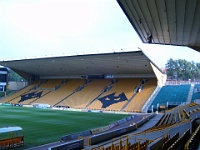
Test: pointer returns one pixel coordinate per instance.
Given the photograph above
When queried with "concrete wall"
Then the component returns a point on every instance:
(13, 85)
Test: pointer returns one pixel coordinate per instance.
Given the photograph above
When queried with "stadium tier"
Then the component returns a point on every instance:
(172, 131)
(141, 97)
(61, 92)
(174, 22)
(170, 95)
(15, 97)
(115, 95)
(85, 94)
(99, 94)
(127, 95)
(196, 93)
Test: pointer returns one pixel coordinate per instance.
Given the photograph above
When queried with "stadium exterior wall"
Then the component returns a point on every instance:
(160, 76)
(14, 85)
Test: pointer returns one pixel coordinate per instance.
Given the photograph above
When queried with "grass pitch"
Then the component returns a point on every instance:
(43, 126)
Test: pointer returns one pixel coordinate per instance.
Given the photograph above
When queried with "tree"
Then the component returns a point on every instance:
(182, 70)
(170, 66)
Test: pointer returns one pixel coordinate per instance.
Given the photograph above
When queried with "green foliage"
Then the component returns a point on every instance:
(2, 94)
(43, 126)
(14, 76)
(182, 70)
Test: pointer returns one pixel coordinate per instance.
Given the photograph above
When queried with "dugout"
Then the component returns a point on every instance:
(11, 137)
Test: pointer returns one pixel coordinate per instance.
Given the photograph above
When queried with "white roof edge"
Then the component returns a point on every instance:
(10, 129)
(100, 51)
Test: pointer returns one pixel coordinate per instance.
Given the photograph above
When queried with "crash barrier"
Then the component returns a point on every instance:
(74, 145)
(69, 137)
(108, 135)
(115, 133)
(153, 144)
(74, 136)
(124, 144)
(128, 146)
(105, 128)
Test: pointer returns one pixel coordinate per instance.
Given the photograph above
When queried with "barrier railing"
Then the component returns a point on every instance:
(192, 140)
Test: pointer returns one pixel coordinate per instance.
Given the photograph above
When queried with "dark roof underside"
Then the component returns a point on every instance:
(126, 63)
(173, 22)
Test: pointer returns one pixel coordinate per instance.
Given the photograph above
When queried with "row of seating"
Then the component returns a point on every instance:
(126, 145)
(123, 86)
(141, 97)
(196, 92)
(170, 141)
(180, 142)
(171, 94)
(168, 133)
(91, 91)
(107, 94)
(192, 142)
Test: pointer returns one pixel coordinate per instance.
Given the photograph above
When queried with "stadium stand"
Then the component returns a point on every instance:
(15, 97)
(170, 132)
(51, 84)
(116, 95)
(34, 96)
(192, 142)
(141, 97)
(170, 95)
(196, 93)
(64, 90)
(174, 128)
(87, 94)
(97, 94)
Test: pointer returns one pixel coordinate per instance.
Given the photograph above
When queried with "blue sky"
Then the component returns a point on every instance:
(47, 28)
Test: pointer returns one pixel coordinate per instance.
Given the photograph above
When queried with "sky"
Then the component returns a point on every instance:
(48, 28)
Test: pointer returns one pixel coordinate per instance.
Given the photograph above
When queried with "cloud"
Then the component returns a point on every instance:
(52, 27)
(37, 28)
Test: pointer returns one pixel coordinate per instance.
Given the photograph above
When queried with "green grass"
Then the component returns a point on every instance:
(43, 126)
